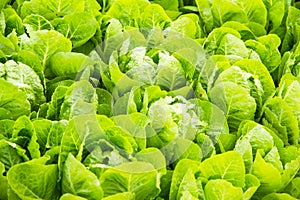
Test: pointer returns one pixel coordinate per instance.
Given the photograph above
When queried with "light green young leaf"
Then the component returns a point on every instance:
(273, 157)
(113, 29)
(188, 184)
(247, 81)
(179, 149)
(78, 27)
(78, 180)
(51, 9)
(251, 185)
(170, 75)
(69, 63)
(257, 69)
(205, 12)
(56, 102)
(187, 25)
(6, 128)
(79, 99)
(292, 34)
(45, 43)
(228, 166)
(181, 169)
(279, 117)
(224, 11)
(294, 187)
(10, 106)
(7, 46)
(25, 79)
(92, 7)
(37, 22)
(215, 37)
(128, 12)
(267, 49)
(276, 11)
(49, 133)
(268, 175)
(81, 133)
(206, 144)
(222, 190)
(245, 32)
(137, 177)
(258, 136)
(24, 135)
(140, 67)
(153, 156)
(34, 181)
(289, 91)
(121, 138)
(11, 154)
(213, 118)
(230, 98)
(167, 4)
(104, 155)
(241, 11)
(176, 118)
(290, 171)
(154, 16)
(13, 21)
(32, 60)
(135, 124)
(232, 45)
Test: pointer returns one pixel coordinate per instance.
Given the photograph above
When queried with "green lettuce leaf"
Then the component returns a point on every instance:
(11, 154)
(81, 133)
(119, 10)
(268, 175)
(228, 166)
(230, 98)
(51, 9)
(84, 184)
(45, 43)
(139, 178)
(79, 99)
(78, 27)
(69, 64)
(280, 118)
(183, 178)
(25, 136)
(33, 180)
(154, 16)
(37, 22)
(25, 79)
(10, 106)
(221, 189)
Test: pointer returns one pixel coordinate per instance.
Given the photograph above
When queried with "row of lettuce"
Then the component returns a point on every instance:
(131, 99)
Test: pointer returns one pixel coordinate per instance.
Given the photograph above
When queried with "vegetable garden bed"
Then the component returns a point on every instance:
(138, 99)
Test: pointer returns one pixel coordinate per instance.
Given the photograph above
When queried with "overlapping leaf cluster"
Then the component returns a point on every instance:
(138, 99)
